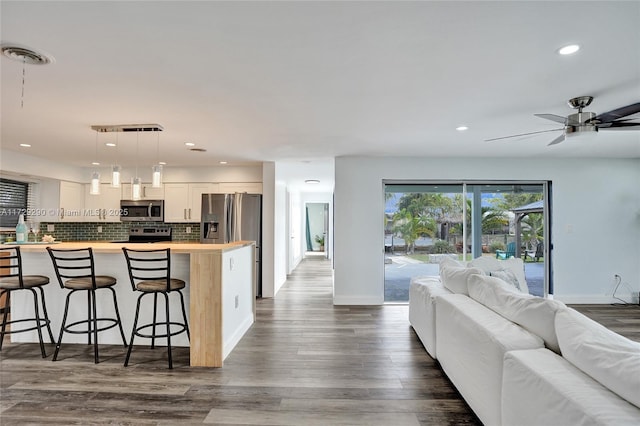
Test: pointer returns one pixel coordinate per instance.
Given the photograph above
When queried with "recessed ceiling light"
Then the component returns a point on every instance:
(162, 163)
(569, 49)
(110, 144)
(312, 181)
(223, 162)
(462, 128)
(95, 163)
(25, 145)
(190, 144)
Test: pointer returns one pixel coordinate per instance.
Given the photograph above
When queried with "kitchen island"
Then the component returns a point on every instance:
(220, 290)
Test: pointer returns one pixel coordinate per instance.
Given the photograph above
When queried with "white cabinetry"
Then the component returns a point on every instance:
(183, 201)
(104, 207)
(233, 187)
(71, 202)
(148, 192)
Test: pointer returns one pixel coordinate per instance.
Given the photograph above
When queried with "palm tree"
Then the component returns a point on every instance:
(533, 230)
(412, 227)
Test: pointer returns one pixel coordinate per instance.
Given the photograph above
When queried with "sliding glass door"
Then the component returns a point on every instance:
(426, 221)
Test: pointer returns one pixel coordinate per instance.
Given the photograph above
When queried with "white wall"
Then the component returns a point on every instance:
(280, 233)
(237, 283)
(595, 219)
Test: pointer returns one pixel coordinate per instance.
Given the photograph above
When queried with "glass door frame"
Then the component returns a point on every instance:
(547, 206)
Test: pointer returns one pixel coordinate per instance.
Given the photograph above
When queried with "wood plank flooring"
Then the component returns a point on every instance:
(304, 362)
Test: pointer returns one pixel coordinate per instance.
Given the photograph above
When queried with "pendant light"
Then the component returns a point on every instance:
(115, 169)
(136, 182)
(156, 177)
(94, 189)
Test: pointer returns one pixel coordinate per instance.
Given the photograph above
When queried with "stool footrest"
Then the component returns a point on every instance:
(182, 329)
(113, 322)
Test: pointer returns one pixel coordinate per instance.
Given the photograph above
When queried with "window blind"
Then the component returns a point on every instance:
(14, 197)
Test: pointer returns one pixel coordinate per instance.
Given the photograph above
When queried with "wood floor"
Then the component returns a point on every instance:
(304, 362)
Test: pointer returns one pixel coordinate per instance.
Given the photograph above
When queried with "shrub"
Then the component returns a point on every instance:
(441, 246)
(496, 245)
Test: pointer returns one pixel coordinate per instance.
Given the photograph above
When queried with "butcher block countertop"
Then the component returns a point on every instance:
(109, 247)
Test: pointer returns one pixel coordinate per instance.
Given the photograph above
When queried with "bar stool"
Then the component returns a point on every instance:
(12, 279)
(150, 273)
(75, 270)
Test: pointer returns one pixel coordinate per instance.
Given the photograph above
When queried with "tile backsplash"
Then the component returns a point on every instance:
(113, 231)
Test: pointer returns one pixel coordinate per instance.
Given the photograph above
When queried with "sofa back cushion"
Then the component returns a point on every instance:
(609, 358)
(490, 264)
(454, 278)
(447, 261)
(532, 313)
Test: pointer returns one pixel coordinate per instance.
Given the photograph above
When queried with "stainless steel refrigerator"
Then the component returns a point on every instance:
(234, 217)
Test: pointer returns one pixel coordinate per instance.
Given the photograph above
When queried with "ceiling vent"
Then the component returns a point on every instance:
(25, 55)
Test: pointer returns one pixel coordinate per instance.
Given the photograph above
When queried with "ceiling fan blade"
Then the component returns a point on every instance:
(553, 117)
(557, 140)
(618, 125)
(607, 117)
(522, 134)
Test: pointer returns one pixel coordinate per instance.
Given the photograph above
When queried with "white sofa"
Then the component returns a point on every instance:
(523, 360)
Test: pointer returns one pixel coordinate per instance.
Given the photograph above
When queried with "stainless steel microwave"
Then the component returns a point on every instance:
(142, 210)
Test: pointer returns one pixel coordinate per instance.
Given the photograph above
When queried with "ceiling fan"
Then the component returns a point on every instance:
(582, 122)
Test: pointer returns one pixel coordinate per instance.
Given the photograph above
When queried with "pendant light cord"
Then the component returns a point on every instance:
(24, 67)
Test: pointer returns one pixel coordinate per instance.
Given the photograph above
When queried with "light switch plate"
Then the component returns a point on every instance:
(51, 227)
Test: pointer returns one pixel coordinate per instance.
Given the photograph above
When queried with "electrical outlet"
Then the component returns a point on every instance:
(188, 230)
(237, 301)
(99, 229)
(51, 227)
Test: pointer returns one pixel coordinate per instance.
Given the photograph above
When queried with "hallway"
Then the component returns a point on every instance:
(304, 361)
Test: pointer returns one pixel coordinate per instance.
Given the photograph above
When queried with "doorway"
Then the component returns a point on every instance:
(316, 229)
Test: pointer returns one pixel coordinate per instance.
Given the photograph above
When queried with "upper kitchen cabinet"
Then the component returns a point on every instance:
(183, 200)
(104, 207)
(233, 187)
(148, 192)
(71, 207)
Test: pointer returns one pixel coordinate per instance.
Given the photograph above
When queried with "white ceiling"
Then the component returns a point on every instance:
(302, 81)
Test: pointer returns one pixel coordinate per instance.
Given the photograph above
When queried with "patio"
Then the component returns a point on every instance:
(399, 272)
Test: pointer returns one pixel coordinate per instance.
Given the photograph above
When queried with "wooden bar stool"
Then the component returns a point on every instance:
(12, 279)
(75, 270)
(150, 273)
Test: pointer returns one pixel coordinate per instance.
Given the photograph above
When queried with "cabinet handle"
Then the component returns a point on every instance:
(184, 213)
(189, 213)
(144, 192)
(61, 213)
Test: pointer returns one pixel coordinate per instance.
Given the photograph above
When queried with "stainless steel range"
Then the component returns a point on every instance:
(149, 234)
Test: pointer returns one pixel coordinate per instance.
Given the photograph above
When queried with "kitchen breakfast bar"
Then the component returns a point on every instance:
(220, 292)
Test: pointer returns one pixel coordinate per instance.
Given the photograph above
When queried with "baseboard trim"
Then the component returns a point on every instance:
(233, 340)
(578, 299)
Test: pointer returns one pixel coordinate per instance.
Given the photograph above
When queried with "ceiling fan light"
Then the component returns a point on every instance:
(569, 49)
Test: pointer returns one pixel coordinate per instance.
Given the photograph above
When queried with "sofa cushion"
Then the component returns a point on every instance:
(542, 388)
(530, 312)
(490, 264)
(608, 357)
(422, 309)
(447, 261)
(507, 276)
(471, 343)
(454, 278)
